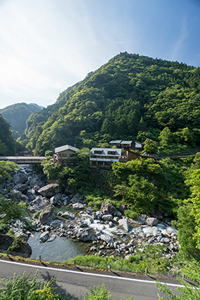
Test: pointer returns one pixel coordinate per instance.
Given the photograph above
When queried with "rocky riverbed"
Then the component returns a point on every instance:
(65, 215)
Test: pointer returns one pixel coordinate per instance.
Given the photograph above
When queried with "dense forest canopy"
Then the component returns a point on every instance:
(130, 97)
(7, 141)
(17, 115)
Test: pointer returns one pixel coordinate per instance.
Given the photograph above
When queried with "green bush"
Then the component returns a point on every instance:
(98, 293)
(23, 288)
(3, 227)
(11, 232)
(131, 214)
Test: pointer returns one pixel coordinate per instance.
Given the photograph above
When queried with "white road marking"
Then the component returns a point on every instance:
(87, 274)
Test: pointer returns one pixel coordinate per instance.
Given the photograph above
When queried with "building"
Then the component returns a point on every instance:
(126, 145)
(138, 146)
(104, 157)
(63, 154)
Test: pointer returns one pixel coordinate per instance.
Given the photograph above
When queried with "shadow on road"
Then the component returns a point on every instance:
(59, 289)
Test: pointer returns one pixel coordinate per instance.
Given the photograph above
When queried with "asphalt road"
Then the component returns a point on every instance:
(76, 282)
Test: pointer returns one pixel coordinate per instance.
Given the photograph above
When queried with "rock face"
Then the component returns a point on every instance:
(47, 215)
(23, 248)
(49, 190)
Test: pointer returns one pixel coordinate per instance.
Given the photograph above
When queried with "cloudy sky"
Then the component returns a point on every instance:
(48, 45)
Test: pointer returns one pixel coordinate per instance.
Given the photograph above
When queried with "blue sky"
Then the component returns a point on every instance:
(47, 46)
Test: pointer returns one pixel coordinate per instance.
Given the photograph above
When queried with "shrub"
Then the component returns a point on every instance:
(22, 288)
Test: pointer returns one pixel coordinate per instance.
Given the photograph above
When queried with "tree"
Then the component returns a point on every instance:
(5, 167)
(188, 291)
(194, 184)
(150, 146)
(165, 136)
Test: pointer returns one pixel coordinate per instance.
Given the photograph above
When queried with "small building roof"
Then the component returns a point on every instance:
(116, 142)
(139, 143)
(65, 148)
(125, 142)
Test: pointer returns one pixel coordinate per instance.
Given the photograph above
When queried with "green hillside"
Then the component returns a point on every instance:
(17, 115)
(130, 97)
(7, 141)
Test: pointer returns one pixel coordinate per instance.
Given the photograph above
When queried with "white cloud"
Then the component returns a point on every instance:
(178, 47)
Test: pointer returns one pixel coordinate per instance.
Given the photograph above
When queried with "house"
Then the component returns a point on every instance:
(126, 145)
(63, 154)
(122, 144)
(116, 143)
(137, 146)
(131, 155)
(104, 157)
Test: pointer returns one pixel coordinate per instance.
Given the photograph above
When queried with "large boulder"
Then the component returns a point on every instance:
(76, 199)
(22, 187)
(31, 194)
(107, 209)
(55, 199)
(124, 224)
(47, 214)
(20, 177)
(56, 223)
(170, 230)
(106, 238)
(151, 221)
(38, 204)
(37, 180)
(22, 248)
(68, 215)
(78, 206)
(17, 196)
(44, 236)
(107, 217)
(139, 221)
(49, 190)
(85, 235)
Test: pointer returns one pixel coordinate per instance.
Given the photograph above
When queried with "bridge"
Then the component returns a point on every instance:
(20, 160)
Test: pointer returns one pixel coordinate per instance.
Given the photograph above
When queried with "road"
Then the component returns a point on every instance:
(77, 282)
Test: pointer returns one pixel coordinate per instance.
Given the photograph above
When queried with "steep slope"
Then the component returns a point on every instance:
(17, 115)
(130, 97)
(7, 141)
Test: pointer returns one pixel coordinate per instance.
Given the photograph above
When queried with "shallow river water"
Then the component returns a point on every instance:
(58, 250)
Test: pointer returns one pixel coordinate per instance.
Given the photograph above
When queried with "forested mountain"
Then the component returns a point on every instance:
(17, 115)
(130, 97)
(7, 141)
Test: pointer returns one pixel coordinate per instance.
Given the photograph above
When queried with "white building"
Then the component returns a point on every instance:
(104, 157)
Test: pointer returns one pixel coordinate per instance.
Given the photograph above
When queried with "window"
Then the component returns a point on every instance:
(111, 152)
